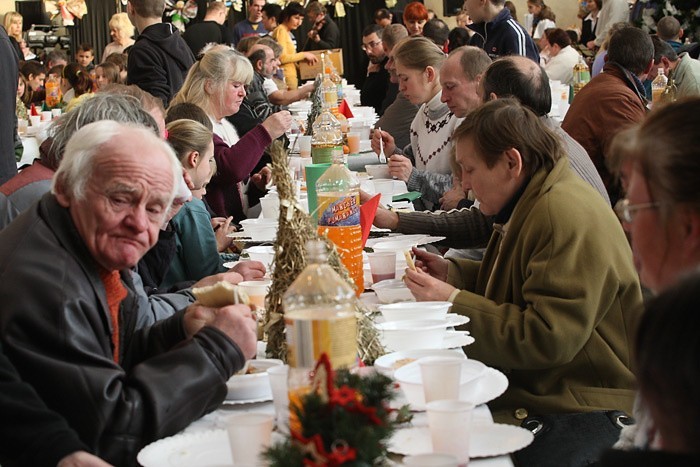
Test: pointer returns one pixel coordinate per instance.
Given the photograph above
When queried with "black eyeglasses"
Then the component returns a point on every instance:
(626, 211)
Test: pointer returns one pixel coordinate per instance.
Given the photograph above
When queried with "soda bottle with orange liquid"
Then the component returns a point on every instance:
(338, 194)
(319, 317)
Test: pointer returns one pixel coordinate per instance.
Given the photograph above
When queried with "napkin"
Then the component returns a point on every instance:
(367, 212)
(344, 109)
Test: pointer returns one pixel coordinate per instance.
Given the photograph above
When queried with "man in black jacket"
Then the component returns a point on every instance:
(210, 30)
(159, 59)
(324, 33)
(73, 322)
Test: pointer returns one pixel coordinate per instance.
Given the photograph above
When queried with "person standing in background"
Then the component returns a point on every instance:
(122, 31)
(290, 19)
(252, 25)
(324, 33)
(9, 73)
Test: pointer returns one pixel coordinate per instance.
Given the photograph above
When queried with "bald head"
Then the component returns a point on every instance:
(521, 78)
(460, 76)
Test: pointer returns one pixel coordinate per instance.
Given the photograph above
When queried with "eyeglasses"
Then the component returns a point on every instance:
(371, 45)
(626, 211)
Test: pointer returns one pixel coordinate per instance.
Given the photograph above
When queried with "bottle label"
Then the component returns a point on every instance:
(308, 338)
(325, 154)
(338, 211)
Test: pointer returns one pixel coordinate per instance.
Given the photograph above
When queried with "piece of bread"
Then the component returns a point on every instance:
(409, 260)
(220, 294)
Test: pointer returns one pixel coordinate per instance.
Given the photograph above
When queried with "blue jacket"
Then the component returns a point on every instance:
(504, 36)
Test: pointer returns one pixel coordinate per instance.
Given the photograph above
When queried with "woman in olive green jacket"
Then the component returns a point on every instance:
(555, 301)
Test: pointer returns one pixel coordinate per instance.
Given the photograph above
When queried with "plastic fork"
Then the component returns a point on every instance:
(382, 156)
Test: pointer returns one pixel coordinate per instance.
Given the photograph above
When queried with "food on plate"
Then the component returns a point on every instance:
(402, 362)
(220, 294)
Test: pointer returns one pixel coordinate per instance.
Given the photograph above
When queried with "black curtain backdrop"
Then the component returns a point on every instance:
(93, 28)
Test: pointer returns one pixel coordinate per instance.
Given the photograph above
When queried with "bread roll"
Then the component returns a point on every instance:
(220, 294)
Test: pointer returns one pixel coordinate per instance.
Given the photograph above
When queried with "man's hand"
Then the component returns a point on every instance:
(387, 139)
(400, 167)
(82, 459)
(278, 123)
(451, 198)
(426, 288)
(373, 68)
(230, 276)
(250, 270)
(433, 264)
(306, 89)
(236, 321)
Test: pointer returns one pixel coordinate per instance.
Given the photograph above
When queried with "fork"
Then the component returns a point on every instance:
(382, 156)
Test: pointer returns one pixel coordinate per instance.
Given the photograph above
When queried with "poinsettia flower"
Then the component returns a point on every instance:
(344, 396)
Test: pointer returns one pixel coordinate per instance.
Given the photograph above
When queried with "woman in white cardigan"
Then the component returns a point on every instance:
(563, 56)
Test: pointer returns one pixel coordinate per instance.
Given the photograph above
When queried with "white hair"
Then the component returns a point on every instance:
(86, 144)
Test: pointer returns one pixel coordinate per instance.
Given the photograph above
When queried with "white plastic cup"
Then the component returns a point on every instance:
(431, 460)
(270, 207)
(441, 377)
(22, 125)
(35, 120)
(280, 396)
(304, 145)
(450, 426)
(249, 434)
(257, 291)
(295, 164)
(382, 265)
(55, 113)
(385, 187)
(354, 142)
(46, 116)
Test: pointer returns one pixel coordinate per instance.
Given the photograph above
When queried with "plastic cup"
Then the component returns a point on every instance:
(46, 116)
(304, 145)
(270, 207)
(450, 425)
(249, 434)
(385, 187)
(431, 460)
(354, 142)
(295, 164)
(441, 377)
(55, 113)
(313, 173)
(35, 120)
(303, 163)
(22, 125)
(382, 264)
(257, 291)
(280, 397)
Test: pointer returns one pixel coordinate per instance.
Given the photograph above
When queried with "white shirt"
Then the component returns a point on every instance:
(269, 86)
(224, 130)
(561, 67)
(542, 26)
(613, 11)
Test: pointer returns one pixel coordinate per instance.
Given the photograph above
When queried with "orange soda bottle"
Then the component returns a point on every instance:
(338, 193)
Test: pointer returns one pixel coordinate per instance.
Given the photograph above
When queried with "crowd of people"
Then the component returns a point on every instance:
(572, 247)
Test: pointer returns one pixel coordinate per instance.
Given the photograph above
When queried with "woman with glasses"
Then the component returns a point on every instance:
(216, 83)
(426, 163)
(556, 298)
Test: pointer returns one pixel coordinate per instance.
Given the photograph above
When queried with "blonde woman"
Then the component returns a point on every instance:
(425, 163)
(13, 26)
(121, 30)
(290, 19)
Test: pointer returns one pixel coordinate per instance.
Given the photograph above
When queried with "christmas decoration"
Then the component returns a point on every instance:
(68, 10)
(345, 420)
(180, 12)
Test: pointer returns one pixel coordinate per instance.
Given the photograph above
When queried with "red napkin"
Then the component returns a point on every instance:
(367, 212)
(344, 109)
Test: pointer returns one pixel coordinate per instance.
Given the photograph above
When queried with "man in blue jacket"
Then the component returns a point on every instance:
(497, 32)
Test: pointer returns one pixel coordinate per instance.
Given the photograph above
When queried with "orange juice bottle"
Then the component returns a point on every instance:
(338, 194)
(319, 317)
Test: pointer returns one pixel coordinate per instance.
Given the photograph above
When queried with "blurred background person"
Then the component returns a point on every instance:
(122, 32)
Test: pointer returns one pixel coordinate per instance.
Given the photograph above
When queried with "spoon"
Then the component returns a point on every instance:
(382, 157)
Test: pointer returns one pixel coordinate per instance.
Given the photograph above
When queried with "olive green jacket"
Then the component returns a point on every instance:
(557, 309)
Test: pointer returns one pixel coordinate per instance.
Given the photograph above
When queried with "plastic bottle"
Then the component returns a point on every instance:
(582, 75)
(330, 89)
(327, 135)
(338, 194)
(319, 316)
(53, 92)
(671, 92)
(658, 86)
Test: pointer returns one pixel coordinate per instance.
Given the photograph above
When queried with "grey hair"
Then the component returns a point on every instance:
(217, 65)
(120, 108)
(393, 33)
(90, 142)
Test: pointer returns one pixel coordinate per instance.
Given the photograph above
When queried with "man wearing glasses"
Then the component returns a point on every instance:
(376, 88)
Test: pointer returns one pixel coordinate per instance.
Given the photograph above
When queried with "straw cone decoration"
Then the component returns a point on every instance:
(294, 230)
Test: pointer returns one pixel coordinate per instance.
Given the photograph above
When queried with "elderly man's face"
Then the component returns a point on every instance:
(459, 93)
(125, 203)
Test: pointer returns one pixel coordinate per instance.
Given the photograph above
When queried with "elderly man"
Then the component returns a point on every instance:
(256, 105)
(377, 90)
(72, 319)
(684, 69)
(512, 76)
(612, 100)
(276, 95)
